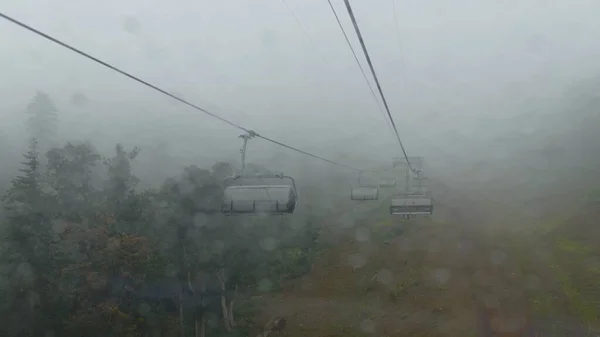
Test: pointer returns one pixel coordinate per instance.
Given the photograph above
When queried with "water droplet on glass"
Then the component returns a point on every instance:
(434, 246)
(143, 309)
(363, 234)
(201, 220)
(212, 320)
(269, 244)
(385, 276)
(171, 270)
(131, 24)
(367, 326)
(532, 282)
(498, 257)
(218, 247)
(356, 260)
(406, 245)
(265, 285)
(25, 273)
(79, 99)
(441, 275)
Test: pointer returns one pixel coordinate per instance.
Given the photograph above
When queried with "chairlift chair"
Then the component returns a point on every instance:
(240, 198)
(265, 198)
(408, 206)
(364, 191)
(387, 183)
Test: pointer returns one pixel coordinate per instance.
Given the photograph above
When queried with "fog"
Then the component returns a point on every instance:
(500, 98)
(462, 70)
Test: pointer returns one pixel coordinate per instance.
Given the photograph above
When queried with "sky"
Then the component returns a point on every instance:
(445, 67)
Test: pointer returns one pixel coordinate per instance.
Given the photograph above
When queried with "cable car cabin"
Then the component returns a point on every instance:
(269, 199)
(364, 193)
(411, 205)
(387, 183)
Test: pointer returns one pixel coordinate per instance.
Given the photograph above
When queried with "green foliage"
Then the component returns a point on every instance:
(84, 244)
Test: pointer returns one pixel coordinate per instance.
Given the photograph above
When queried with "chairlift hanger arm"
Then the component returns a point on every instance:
(245, 137)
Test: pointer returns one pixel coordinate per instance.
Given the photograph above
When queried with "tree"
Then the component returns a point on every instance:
(90, 259)
(69, 174)
(43, 119)
(28, 255)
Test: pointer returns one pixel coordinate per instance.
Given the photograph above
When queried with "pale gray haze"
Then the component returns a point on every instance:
(459, 68)
(108, 185)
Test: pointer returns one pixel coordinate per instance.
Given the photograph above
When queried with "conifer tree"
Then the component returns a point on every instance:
(43, 119)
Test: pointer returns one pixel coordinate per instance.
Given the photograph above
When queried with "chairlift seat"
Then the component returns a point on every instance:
(387, 182)
(364, 193)
(411, 204)
(269, 199)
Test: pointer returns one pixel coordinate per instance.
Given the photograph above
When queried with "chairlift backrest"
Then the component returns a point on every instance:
(364, 193)
(387, 182)
(411, 204)
(264, 198)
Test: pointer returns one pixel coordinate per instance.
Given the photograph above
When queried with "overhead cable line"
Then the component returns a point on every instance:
(310, 40)
(387, 108)
(402, 63)
(362, 70)
(135, 78)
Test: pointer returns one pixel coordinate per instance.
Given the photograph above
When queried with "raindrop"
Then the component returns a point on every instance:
(218, 247)
(25, 273)
(441, 275)
(96, 281)
(201, 220)
(265, 285)
(367, 326)
(498, 257)
(212, 320)
(269, 38)
(59, 226)
(143, 309)
(356, 260)
(385, 276)
(185, 187)
(347, 221)
(202, 276)
(532, 282)
(171, 270)
(33, 299)
(79, 99)
(491, 301)
(131, 24)
(269, 244)
(537, 43)
(204, 256)
(406, 245)
(481, 278)
(36, 54)
(434, 246)
(363, 234)
(153, 52)
(296, 224)
(263, 216)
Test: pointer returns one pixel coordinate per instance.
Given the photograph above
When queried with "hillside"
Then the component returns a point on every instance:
(460, 273)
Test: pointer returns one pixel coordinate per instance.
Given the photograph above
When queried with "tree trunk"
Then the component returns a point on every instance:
(225, 311)
(226, 320)
(231, 319)
(231, 303)
(203, 327)
(181, 320)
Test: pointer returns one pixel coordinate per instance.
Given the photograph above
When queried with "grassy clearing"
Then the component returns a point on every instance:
(384, 274)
